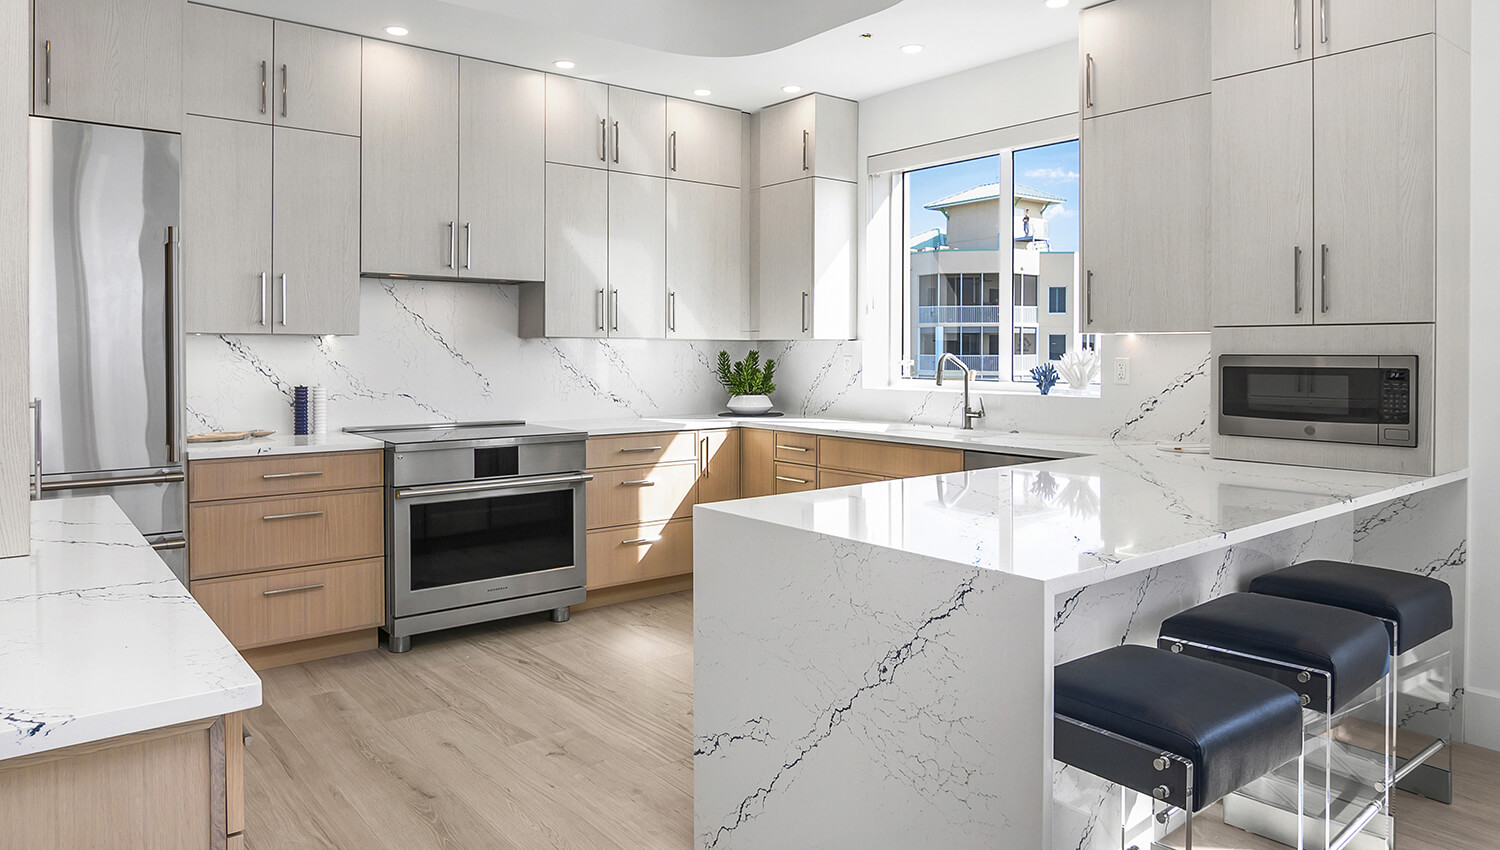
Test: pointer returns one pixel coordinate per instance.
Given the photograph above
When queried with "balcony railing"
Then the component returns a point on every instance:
(1025, 315)
(954, 315)
(984, 364)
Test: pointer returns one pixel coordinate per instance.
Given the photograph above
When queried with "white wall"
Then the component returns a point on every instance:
(1482, 697)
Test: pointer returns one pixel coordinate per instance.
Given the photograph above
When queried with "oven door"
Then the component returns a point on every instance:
(485, 541)
(1332, 399)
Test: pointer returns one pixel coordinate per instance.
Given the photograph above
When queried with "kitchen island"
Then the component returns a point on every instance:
(119, 698)
(873, 664)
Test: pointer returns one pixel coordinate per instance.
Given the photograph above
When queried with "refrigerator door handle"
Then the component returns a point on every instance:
(174, 330)
(36, 449)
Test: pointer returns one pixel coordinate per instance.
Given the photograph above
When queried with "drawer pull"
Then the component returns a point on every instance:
(790, 480)
(275, 475)
(641, 540)
(285, 590)
(793, 448)
(644, 482)
(299, 515)
(640, 450)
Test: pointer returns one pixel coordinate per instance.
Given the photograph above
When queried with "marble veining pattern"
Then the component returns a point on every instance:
(99, 639)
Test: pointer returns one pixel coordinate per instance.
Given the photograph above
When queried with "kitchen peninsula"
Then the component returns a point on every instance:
(874, 663)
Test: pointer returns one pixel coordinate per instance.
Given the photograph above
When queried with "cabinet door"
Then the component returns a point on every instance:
(577, 122)
(1262, 245)
(409, 209)
(1351, 24)
(109, 62)
(757, 463)
(1137, 53)
(1374, 169)
(786, 260)
(637, 132)
(835, 245)
(226, 217)
(705, 269)
(720, 479)
(785, 141)
(833, 148)
(704, 143)
(1251, 35)
(577, 251)
(502, 193)
(317, 79)
(316, 231)
(226, 64)
(637, 256)
(1145, 219)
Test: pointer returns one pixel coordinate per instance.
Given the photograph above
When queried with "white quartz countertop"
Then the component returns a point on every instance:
(98, 638)
(283, 444)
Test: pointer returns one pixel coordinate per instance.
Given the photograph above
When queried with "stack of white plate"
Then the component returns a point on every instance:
(317, 410)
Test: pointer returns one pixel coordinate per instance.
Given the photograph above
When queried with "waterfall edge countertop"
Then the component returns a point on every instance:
(98, 639)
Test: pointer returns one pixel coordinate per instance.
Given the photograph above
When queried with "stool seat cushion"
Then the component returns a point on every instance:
(1354, 647)
(1233, 726)
(1420, 606)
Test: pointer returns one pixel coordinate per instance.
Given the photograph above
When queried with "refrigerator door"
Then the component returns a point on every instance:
(105, 207)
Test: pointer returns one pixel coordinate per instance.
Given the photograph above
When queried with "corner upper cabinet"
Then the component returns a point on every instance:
(812, 136)
(1145, 189)
(409, 187)
(705, 143)
(1135, 53)
(108, 62)
(502, 172)
(1353, 24)
(1252, 35)
(806, 269)
(706, 272)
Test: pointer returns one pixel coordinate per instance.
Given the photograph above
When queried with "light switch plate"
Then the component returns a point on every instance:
(1122, 370)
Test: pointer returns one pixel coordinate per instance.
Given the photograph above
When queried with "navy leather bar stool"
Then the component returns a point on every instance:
(1336, 660)
(1418, 612)
(1181, 731)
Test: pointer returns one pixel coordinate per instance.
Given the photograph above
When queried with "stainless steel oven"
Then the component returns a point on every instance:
(1369, 400)
(484, 521)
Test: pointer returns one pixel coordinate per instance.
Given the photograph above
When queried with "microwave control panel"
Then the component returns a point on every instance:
(1395, 397)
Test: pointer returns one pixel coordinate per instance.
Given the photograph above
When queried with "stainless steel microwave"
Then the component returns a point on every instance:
(1369, 400)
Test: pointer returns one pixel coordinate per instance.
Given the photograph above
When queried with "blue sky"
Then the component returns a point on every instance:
(1052, 169)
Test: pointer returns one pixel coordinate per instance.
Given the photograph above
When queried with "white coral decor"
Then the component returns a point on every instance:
(1079, 368)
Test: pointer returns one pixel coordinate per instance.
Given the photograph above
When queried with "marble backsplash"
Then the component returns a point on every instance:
(433, 351)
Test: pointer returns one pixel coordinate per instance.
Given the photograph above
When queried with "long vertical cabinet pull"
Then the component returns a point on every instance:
(468, 247)
(805, 323)
(1088, 80)
(263, 69)
(1297, 280)
(1323, 21)
(599, 309)
(672, 151)
(36, 449)
(604, 140)
(805, 134)
(672, 312)
(285, 308)
(265, 291)
(614, 309)
(617, 142)
(1297, 26)
(1324, 279)
(47, 89)
(283, 91)
(1088, 297)
(453, 245)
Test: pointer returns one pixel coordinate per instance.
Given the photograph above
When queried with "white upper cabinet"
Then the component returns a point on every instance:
(1135, 53)
(316, 233)
(812, 136)
(706, 292)
(409, 203)
(317, 84)
(227, 64)
(108, 62)
(705, 143)
(577, 122)
(502, 169)
(637, 256)
(1251, 35)
(638, 132)
(1351, 24)
(806, 268)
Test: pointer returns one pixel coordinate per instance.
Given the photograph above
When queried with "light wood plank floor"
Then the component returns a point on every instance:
(529, 734)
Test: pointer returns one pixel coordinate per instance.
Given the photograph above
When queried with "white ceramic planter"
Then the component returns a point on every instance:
(750, 405)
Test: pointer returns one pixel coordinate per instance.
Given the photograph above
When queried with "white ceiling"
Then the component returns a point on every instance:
(742, 50)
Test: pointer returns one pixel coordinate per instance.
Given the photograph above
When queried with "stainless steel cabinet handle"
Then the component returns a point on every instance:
(453, 245)
(672, 311)
(603, 140)
(804, 312)
(487, 486)
(641, 540)
(1323, 21)
(284, 590)
(614, 299)
(1088, 298)
(640, 482)
(599, 309)
(703, 462)
(672, 151)
(275, 475)
(298, 515)
(790, 480)
(1297, 25)
(1297, 279)
(283, 91)
(168, 545)
(36, 448)
(640, 450)
(794, 448)
(263, 69)
(47, 90)
(805, 134)
(265, 291)
(285, 309)
(617, 141)
(1323, 297)
(1088, 80)
(468, 247)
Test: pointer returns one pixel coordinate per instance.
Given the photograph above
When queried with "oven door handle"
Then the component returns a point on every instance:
(487, 486)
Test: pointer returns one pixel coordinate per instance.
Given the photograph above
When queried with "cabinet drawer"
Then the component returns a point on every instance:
(229, 538)
(795, 478)
(288, 605)
(642, 494)
(889, 460)
(240, 478)
(639, 449)
(835, 478)
(796, 448)
(639, 552)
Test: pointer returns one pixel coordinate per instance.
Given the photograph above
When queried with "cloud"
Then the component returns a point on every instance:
(1051, 174)
(1058, 211)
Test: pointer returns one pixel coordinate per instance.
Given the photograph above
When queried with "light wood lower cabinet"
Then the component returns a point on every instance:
(795, 478)
(887, 460)
(641, 494)
(720, 459)
(241, 478)
(757, 463)
(634, 553)
(828, 478)
(263, 609)
(641, 449)
(232, 538)
(796, 448)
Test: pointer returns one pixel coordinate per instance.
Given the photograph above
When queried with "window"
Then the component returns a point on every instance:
(958, 255)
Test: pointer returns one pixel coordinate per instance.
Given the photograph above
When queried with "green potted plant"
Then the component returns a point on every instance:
(749, 383)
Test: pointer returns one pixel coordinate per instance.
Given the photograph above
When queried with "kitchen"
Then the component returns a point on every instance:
(508, 572)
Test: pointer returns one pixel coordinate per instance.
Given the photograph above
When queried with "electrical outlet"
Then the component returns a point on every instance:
(848, 362)
(1122, 370)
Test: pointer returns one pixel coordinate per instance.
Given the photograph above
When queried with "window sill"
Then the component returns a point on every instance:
(956, 387)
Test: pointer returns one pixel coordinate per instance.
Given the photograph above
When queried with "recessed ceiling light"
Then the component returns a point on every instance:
(1055, 4)
(565, 64)
(791, 89)
(395, 30)
(914, 48)
(702, 92)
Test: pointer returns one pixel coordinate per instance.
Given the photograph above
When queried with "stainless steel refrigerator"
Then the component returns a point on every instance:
(105, 333)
